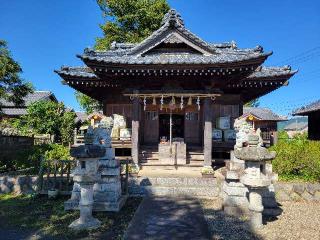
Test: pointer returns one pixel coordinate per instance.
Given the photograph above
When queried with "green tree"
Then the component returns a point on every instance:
(88, 104)
(253, 103)
(129, 20)
(126, 21)
(67, 127)
(48, 117)
(12, 87)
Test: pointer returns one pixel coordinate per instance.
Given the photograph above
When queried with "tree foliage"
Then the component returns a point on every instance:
(129, 20)
(88, 104)
(253, 103)
(12, 87)
(126, 21)
(48, 117)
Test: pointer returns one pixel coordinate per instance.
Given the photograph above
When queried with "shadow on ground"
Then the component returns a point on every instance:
(28, 217)
(223, 226)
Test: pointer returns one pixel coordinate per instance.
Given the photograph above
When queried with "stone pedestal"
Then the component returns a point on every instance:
(86, 220)
(256, 208)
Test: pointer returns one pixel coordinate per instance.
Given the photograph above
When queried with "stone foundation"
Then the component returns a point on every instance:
(297, 191)
(141, 186)
(20, 184)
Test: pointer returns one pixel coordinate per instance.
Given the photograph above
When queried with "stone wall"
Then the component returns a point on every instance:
(297, 191)
(284, 191)
(18, 184)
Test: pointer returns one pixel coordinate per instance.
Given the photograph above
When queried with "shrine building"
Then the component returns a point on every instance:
(178, 93)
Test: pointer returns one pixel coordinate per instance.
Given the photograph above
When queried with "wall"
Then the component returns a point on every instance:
(284, 191)
(18, 184)
(297, 191)
(10, 146)
(313, 126)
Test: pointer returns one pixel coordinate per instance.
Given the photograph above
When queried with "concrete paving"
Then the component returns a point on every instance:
(168, 218)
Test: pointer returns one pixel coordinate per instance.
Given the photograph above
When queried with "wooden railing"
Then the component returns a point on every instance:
(55, 174)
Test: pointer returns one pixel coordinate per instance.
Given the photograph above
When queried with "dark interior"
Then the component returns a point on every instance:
(177, 126)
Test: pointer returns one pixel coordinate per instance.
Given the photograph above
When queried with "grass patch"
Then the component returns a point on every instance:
(48, 218)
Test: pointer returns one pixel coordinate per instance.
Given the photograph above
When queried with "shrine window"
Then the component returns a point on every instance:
(151, 115)
(192, 116)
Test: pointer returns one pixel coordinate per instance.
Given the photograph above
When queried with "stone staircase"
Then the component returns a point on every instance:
(149, 156)
(175, 186)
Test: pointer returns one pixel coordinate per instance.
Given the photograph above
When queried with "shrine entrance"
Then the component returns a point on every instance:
(177, 126)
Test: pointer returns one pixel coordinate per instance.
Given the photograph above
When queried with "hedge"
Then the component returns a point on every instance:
(297, 159)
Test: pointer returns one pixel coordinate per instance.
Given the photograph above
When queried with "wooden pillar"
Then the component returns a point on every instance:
(207, 134)
(135, 131)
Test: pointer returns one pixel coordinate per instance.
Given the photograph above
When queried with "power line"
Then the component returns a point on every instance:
(302, 55)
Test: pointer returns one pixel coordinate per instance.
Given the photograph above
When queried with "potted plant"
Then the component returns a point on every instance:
(133, 170)
(207, 172)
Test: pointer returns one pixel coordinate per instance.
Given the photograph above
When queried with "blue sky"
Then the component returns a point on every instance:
(43, 35)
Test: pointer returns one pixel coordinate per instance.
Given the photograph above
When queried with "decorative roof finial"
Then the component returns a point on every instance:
(172, 17)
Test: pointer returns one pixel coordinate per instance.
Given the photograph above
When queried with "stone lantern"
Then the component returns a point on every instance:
(86, 175)
(255, 177)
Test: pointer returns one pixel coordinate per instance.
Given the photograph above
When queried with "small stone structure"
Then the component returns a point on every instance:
(86, 175)
(107, 194)
(173, 154)
(255, 177)
(249, 177)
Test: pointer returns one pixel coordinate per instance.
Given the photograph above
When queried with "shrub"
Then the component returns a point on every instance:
(57, 152)
(298, 159)
(32, 157)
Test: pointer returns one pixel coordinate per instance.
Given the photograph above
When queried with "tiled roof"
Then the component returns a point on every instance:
(264, 114)
(84, 72)
(312, 107)
(173, 31)
(298, 126)
(14, 111)
(265, 72)
(31, 98)
(8, 108)
(221, 58)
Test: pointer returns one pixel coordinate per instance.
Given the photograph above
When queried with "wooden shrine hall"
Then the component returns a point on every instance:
(178, 93)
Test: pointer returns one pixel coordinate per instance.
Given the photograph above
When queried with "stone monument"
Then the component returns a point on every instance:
(107, 192)
(85, 176)
(255, 177)
(236, 193)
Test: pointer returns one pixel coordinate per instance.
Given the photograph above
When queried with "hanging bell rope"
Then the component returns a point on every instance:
(144, 103)
(198, 103)
(154, 102)
(181, 103)
(161, 102)
(190, 101)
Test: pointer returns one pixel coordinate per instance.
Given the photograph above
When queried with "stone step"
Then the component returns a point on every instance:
(156, 162)
(174, 181)
(148, 167)
(174, 186)
(149, 155)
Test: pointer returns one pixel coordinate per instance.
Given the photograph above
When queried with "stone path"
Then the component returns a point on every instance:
(168, 218)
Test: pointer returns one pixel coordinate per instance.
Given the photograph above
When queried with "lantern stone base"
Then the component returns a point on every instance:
(98, 206)
(88, 223)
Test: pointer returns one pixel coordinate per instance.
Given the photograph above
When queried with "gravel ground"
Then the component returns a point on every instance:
(299, 220)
